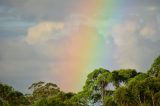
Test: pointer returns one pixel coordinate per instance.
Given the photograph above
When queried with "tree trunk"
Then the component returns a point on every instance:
(102, 90)
(140, 100)
(153, 103)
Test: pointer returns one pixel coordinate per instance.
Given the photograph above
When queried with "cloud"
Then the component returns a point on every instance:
(150, 32)
(131, 33)
(152, 8)
(42, 32)
(147, 32)
(132, 49)
(126, 32)
(21, 64)
(42, 10)
(124, 39)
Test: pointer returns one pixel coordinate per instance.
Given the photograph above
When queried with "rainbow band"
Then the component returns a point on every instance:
(87, 47)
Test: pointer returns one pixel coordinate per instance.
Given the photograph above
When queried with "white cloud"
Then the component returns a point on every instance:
(147, 31)
(150, 32)
(122, 32)
(43, 31)
(131, 48)
(125, 41)
(152, 8)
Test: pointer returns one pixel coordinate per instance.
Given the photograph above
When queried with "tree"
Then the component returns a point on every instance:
(155, 68)
(3, 102)
(80, 99)
(124, 97)
(40, 102)
(96, 84)
(10, 97)
(122, 76)
(137, 87)
(157, 99)
(5, 90)
(144, 89)
(44, 90)
(16, 98)
(153, 87)
(102, 81)
(61, 99)
(109, 101)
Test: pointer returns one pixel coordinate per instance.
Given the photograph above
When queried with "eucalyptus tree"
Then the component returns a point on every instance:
(96, 85)
(79, 99)
(40, 102)
(16, 98)
(122, 76)
(154, 71)
(5, 90)
(153, 88)
(61, 99)
(44, 90)
(109, 101)
(123, 97)
(102, 81)
(143, 89)
(137, 87)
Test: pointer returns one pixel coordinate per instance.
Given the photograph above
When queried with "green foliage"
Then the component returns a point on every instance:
(80, 99)
(48, 94)
(109, 101)
(122, 76)
(16, 98)
(124, 97)
(155, 68)
(5, 90)
(157, 98)
(3, 102)
(96, 84)
(129, 89)
(44, 90)
(60, 99)
(41, 102)
(9, 97)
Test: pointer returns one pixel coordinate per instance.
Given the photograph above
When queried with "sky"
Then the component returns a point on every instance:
(61, 41)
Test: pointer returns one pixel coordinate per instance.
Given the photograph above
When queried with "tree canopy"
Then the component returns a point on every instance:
(129, 88)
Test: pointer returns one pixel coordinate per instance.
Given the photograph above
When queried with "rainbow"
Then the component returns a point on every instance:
(86, 48)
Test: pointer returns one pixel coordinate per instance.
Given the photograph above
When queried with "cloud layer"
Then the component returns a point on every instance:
(37, 37)
(42, 32)
(135, 43)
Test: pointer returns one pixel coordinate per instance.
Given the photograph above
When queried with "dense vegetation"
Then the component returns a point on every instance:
(124, 87)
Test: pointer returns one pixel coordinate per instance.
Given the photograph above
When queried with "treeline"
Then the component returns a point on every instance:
(124, 87)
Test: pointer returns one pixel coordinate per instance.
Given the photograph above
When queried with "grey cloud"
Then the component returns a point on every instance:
(40, 9)
(21, 64)
(60, 9)
(132, 49)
